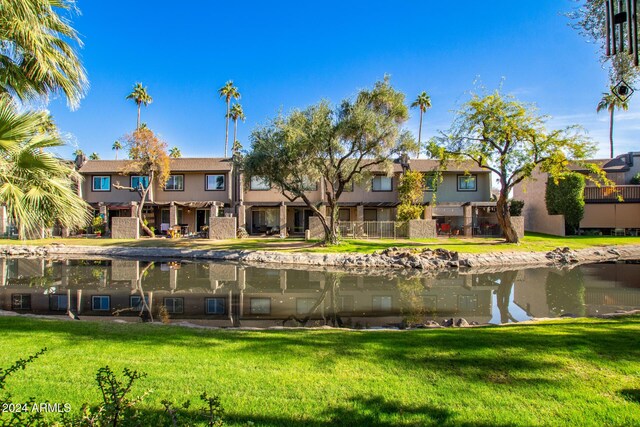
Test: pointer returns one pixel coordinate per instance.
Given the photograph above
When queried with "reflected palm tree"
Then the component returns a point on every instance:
(503, 293)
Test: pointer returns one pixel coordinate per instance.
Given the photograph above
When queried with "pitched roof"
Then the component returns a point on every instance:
(194, 164)
(620, 163)
(426, 165)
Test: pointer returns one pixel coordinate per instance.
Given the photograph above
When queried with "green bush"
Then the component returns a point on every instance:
(515, 207)
(566, 197)
(98, 225)
(636, 179)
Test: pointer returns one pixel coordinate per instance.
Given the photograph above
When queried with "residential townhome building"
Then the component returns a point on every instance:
(613, 209)
(458, 198)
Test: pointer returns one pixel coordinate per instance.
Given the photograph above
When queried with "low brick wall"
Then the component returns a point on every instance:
(125, 228)
(518, 224)
(316, 230)
(421, 229)
(221, 228)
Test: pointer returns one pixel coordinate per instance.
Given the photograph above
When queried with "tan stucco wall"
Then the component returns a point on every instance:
(611, 215)
(448, 189)
(535, 209)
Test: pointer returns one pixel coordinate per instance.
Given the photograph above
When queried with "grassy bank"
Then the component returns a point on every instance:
(569, 372)
(531, 242)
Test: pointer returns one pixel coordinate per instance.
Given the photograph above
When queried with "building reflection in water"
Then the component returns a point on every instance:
(225, 294)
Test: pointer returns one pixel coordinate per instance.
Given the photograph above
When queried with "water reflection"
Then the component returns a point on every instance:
(223, 294)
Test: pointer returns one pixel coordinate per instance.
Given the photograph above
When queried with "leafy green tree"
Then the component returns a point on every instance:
(227, 92)
(611, 102)
(38, 58)
(140, 96)
(507, 137)
(423, 102)
(94, 156)
(338, 145)
(149, 158)
(236, 114)
(117, 146)
(410, 195)
(564, 195)
(175, 153)
(35, 186)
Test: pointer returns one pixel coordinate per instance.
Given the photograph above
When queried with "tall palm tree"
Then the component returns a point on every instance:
(78, 152)
(423, 101)
(35, 186)
(38, 58)
(227, 92)
(611, 102)
(140, 96)
(175, 153)
(236, 114)
(116, 146)
(94, 156)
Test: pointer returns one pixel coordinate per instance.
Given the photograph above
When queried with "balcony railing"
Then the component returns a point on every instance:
(612, 194)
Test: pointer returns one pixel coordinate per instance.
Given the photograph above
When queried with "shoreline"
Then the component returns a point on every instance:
(392, 258)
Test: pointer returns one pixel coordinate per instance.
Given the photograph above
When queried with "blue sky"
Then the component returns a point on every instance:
(289, 54)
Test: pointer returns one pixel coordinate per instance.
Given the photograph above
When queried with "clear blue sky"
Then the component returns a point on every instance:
(289, 54)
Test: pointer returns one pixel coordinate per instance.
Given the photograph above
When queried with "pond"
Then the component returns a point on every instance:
(237, 295)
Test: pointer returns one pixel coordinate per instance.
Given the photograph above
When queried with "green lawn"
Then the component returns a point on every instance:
(531, 242)
(566, 372)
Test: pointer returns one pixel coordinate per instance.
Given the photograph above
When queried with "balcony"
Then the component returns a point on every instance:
(612, 194)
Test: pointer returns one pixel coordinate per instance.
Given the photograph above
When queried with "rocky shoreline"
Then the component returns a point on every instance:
(392, 258)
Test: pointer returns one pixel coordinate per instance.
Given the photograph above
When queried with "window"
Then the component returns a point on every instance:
(214, 182)
(430, 182)
(345, 303)
(305, 305)
(370, 214)
(381, 303)
(100, 303)
(20, 302)
(58, 302)
(174, 183)
(381, 183)
(139, 180)
(174, 305)
(101, 183)
(344, 214)
(309, 185)
(216, 305)
(467, 182)
(260, 306)
(135, 302)
(467, 302)
(259, 184)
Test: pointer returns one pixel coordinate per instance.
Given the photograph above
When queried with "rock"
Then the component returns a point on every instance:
(447, 323)
(462, 322)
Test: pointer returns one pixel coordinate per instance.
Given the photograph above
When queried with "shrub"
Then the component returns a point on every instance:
(515, 207)
(565, 196)
(98, 225)
(635, 180)
(410, 194)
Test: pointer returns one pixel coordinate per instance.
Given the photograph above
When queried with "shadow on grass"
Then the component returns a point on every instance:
(631, 394)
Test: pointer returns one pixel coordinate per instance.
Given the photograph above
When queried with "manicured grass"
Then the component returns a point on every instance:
(531, 242)
(566, 372)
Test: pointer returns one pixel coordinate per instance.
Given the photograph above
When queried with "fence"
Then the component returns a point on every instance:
(373, 229)
(626, 193)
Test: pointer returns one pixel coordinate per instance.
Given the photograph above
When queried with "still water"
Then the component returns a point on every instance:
(236, 295)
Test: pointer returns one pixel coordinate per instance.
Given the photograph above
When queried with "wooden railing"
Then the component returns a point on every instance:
(613, 194)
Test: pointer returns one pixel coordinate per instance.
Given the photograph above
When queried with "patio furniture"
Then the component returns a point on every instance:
(444, 229)
(619, 232)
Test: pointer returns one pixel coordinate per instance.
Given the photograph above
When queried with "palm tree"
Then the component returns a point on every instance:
(78, 152)
(611, 102)
(227, 92)
(175, 153)
(423, 101)
(94, 156)
(37, 57)
(36, 187)
(236, 114)
(140, 96)
(116, 146)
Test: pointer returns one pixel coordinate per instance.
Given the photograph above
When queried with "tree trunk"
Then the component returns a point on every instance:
(138, 125)
(504, 218)
(226, 129)
(235, 132)
(611, 132)
(116, 154)
(420, 135)
(140, 211)
(333, 238)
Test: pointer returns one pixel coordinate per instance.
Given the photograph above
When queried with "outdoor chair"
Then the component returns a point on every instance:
(445, 229)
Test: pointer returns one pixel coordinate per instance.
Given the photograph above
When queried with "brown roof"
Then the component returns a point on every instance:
(195, 164)
(617, 164)
(426, 165)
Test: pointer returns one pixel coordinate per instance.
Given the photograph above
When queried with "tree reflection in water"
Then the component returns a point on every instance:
(565, 292)
(332, 318)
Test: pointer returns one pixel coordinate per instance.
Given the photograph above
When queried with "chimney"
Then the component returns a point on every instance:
(630, 159)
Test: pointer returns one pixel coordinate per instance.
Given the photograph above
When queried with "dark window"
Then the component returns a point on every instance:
(430, 182)
(174, 305)
(216, 305)
(370, 214)
(260, 306)
(100, 302)
(58, 302)
(135, 302)
(21, 302)
(175, 183)
(139, 180)
(382, 183)
(344, 214)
